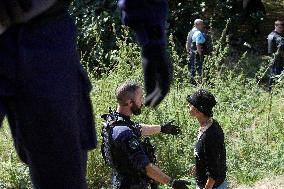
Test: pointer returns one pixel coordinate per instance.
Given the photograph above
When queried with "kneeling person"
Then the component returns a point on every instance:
(122, 147)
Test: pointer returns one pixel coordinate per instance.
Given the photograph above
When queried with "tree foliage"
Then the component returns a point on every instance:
(99, 20)
(251, 118)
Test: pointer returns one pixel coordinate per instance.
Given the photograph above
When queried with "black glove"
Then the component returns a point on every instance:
(169, 128)
(179, 184)
(157, 73)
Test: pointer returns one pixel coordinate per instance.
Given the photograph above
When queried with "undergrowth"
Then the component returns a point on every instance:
(251, 118)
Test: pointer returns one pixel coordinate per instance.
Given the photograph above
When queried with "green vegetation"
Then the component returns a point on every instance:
(252, 119)
(100, 15)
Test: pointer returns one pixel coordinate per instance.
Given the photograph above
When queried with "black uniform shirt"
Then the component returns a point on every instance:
(127, 149)
(272, 42)
(210, 156)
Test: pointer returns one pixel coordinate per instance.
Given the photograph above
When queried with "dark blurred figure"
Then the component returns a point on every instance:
(44, 92)
(147, 18)
(253, 6)
(254, 13)
(276, 45)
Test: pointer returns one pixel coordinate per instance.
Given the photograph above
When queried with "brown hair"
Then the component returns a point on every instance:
(278, 23)
(126, 91)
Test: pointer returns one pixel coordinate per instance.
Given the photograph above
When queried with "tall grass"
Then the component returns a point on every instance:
(253, 131)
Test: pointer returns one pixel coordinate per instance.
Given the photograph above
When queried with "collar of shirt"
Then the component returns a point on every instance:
(276, 32)
(205, 127)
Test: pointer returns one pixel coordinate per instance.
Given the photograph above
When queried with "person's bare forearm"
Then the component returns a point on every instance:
(199, 49)
(156, 174)
(210, 183)
(150, 129)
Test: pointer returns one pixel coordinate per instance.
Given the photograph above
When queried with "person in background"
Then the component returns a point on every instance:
(276, 44)
(196, 46)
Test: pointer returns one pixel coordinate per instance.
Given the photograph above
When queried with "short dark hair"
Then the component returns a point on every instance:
(126, 91)
(279, 23)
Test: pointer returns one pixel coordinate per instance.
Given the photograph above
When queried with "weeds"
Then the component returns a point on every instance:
(242, 110)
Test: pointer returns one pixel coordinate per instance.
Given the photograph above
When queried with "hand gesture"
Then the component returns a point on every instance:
(170, 128)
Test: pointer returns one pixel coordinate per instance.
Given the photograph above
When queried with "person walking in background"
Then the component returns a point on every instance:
(196, 46)
(209, 151)
(276, 43)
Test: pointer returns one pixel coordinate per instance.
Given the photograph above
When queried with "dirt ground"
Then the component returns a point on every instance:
(268, 183)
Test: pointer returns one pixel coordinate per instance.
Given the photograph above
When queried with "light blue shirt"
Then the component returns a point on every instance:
(198, 37)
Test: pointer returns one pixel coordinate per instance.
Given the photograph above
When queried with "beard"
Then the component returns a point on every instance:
(136, 110)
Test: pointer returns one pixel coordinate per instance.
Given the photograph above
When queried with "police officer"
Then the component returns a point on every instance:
(276, 43)
(122, 148)
(147, 18)
(44, 92)
(196, 46)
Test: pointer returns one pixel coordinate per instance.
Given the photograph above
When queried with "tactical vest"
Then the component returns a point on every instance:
(275, 42)
(193, 44)
(280, 43)
(113, 119)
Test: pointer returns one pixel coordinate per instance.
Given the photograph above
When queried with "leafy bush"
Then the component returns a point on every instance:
(98, 25)
(95, 21)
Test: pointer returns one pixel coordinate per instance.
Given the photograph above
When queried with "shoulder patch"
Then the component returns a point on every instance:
(133, 143)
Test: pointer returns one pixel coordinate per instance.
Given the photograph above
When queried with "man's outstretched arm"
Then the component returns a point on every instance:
(148, 130)
(168, 128)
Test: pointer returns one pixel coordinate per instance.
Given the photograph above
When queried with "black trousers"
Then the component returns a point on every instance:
(195, 63)
(44, 92)
(276, 69)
